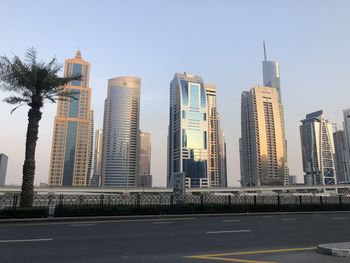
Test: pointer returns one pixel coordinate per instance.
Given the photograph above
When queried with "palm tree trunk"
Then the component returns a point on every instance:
(34, 116)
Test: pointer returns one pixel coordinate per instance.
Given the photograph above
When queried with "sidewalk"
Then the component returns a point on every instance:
(335, 249)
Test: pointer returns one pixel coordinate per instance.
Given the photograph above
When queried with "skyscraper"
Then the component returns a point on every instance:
(187, 137)
(346, 125)
(340, 156)
(120, 150)
(96, 176)
(3, 168)
(222, 162)
(262, 142)
(71, 140)
(271, 78)
(145, 177)
(89, 173)
(213, 136)
(317, 149)
(216, 141)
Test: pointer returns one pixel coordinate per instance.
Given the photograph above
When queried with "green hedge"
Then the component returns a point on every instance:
(32, 212)
(106, 210)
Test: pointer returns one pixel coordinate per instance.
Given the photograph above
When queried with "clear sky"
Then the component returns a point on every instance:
(218, 40)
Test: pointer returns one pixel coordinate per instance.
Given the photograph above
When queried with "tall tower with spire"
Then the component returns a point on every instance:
(271, 78)
(72, 135)
(263, 145)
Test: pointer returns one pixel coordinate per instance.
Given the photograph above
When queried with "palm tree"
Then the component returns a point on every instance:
(32, 83)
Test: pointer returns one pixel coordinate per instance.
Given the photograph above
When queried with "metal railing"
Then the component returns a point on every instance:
(11, 200)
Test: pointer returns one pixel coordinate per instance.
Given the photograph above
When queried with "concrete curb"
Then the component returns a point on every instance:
(335, 249)
(150, 217)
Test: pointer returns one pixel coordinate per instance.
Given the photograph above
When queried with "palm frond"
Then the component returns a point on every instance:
(15, 100)
(17, 107)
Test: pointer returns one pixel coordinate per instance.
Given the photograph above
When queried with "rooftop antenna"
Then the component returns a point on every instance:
(264, 51)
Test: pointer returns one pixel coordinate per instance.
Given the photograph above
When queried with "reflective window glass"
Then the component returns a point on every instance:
(74, 104)
(194, 95)
(77, 70)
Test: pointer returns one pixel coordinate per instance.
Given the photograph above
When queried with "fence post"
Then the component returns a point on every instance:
(300, 201)
(202, 201)
(171, 199)
(254, 200)
(138, 200)
(14, 204)
(340, 202)
(229, 201)
(278, 201)
(321, 201)
(60, 200)
(101, 201)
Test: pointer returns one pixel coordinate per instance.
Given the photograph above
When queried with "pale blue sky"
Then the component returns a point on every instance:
(218, 40)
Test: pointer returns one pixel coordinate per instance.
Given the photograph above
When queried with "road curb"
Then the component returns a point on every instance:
(335, 249)
(164, 216)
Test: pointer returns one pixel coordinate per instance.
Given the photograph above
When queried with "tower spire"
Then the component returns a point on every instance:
(265, 57)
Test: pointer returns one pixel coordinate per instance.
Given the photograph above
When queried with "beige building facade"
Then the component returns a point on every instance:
(263, 141)
(72, 136)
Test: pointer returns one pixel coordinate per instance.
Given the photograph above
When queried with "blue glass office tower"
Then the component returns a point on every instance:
(187, 138)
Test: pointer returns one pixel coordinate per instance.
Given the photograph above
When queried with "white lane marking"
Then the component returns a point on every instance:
(25, 240)
(229, 231)
(162, 223)
(288, 219)
(81, 225)
(230, 220)
(338, 218)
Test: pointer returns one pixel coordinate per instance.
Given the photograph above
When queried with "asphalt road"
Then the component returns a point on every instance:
(258, 238)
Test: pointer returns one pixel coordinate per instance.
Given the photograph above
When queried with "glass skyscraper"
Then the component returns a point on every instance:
(346, 125)
(71, 142)
(120, 150)
(317, 150)
(187, 138)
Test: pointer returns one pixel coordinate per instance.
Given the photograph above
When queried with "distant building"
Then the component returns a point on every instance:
(91, 147)
(120, 150)
(262, 142)
(341, 165)
(317, 149)
(292, 179)
(222, 161)
(3, 168)
(145, 178)
(96, 176)
(346, 126)
(71, 140)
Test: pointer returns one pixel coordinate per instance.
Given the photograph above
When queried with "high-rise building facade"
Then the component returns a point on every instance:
(3, 168)
(340, 156)
(145, 177)
(120, 150)
(317, 149)
(96, 175)
(262, 142)
(213, 136)
(217, 171)
(91, 154)
(222, 162)
(271, 78)
(346, 125)
(71, 140)
(187, 136)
